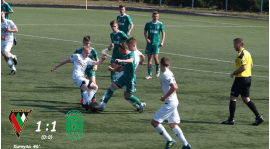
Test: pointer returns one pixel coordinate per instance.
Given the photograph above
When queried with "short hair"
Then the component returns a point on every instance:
(123, 46)
(165, 61)
(113, 22)
(239, 41)
(86, 38)
(155, 12)
(131, 40)
(86, 48)
(122, 6)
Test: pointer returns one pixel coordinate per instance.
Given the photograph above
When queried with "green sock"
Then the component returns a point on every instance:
(109, 94)
(134, 99)
(94, 97)
(157, 67)
(112, 75)
(150, 71)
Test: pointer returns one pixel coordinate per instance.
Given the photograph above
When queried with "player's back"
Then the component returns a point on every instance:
(166, 79)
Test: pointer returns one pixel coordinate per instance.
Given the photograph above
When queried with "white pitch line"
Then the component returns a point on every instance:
(139, 49)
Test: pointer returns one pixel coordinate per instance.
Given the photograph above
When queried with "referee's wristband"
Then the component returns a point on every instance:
(233, 73)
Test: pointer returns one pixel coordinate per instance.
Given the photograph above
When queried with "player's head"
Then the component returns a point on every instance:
(2, 14)
(164, 63)
(238, 44)
(86, 40)
(132, 44)
(2, 2)
(155, 16)
(86, 51)
(114, 25)
(122, 9)
(123, 48)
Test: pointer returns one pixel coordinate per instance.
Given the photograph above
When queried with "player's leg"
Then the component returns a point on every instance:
(158, 118)
(155, 53)
(173, 120)
(132, 103)
(148, 51)
(245, 97)
(84, 88)
(5, 51)
(113, 65)
(108, 96)
(92, 78)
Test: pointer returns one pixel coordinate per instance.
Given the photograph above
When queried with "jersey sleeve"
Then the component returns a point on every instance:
(169, 79)
(76, 51)
(161, 28)
(73, 57)
(129, 20)
(89, 61)
(111, 37)
(9, 8)
(241, 59)
(12, 25)
(95, 55)
(146, 27)
(125, 37)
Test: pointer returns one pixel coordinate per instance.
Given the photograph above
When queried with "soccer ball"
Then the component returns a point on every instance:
(92, 106)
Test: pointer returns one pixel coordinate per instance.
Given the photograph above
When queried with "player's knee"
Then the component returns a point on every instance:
(154, 123)
(129, 96)
(5, 54)
(172, 125)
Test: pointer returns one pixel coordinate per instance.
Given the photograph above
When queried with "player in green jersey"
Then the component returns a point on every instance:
(128, 79)
(125, 23)
(117, 37)
(7, 10)
(90, 70)
(153, 42)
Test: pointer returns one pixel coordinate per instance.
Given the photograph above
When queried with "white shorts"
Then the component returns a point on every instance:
(79, 81)
(118, 76)
(167, 111)
(6, 47)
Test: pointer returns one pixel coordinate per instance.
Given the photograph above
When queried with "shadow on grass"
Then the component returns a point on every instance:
(117, 112)
(186, 121)
(57, 87)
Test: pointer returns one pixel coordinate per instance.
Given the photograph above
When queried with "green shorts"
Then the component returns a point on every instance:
(152, 49)
(116, 56)
(130, 83)
(89, 73)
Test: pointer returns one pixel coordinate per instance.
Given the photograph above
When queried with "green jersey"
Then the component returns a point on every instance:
(129, 68)
(154, 31)
(118, 37)
(6, 7)
(124, 23)
(92, 55)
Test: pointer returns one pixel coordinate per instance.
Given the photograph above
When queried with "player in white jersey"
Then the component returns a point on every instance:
(7, 29)
(81, 61)
(139, 59)
(169, 109)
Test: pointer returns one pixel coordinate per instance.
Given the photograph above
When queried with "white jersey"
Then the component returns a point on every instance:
(167, 79)
(10, 24)
(80, 64)
(137, 54)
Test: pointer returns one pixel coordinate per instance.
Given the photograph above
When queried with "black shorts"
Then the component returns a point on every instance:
(241, 86)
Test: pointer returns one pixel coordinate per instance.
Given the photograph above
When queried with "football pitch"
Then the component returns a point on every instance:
(201, 54)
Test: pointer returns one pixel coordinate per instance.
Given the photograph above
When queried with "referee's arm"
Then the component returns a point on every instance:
(240, 70)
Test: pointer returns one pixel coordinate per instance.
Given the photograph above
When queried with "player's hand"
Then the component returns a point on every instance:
(162, 98)
(109, 48)
(110, 68)
(95, 68)
(4, 38)
(148, 40)
(128, 34)
(7, 29)
(140, 63)
(104, 57)
(161, 44)
(118, 60)
(53, 69)
(232, 75)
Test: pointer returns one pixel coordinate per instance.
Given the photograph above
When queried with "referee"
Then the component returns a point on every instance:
(242, 82)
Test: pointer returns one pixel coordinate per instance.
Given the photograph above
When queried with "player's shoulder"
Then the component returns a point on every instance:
(159, 23)
(80, 48)
(149, 22)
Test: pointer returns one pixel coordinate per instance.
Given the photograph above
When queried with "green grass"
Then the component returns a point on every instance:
(48, 36)
(264, 14)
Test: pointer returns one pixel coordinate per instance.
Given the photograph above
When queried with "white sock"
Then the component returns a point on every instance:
(103, 97)
(11, 65)
(162, 131)
(134, 104)
(10, 55)
(85, 97)
(180, 135)
(91, 94)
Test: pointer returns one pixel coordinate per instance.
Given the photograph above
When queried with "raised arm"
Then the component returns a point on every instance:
(62, 63)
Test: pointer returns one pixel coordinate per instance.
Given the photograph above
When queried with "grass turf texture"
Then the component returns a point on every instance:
(48, 36)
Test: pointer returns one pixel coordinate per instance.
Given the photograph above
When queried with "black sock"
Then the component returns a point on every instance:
(252, 107)
(232, 109)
